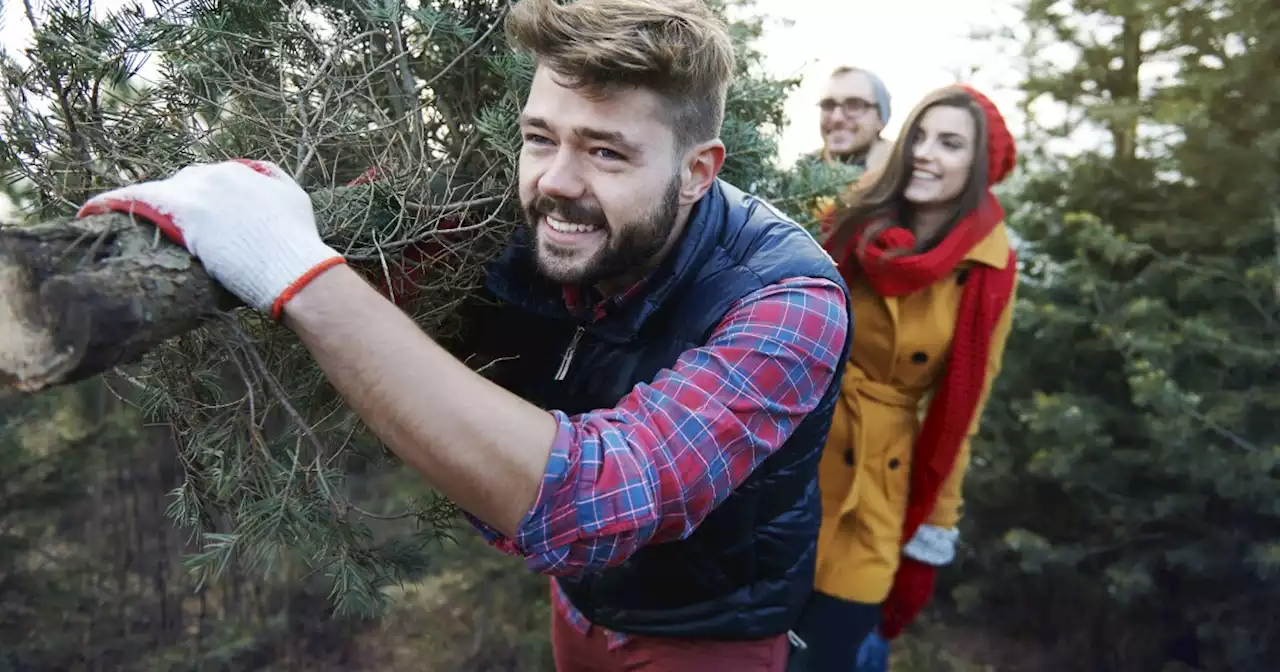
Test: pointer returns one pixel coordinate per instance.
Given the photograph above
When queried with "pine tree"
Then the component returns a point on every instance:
(1125, 497)
(425, 95)
(43, 471)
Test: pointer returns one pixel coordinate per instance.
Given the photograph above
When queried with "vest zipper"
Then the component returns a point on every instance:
(568, 354)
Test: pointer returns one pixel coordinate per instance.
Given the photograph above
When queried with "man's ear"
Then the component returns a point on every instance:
(701, 166)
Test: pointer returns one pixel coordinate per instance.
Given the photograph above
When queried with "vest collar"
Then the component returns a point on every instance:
(514, 277)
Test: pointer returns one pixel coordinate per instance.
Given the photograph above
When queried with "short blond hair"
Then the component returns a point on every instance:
(679, 49)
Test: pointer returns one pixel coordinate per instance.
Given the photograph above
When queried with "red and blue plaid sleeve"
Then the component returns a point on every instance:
(654, 466)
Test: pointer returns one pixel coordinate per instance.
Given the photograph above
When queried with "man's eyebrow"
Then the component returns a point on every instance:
(537, 122)
(611, 137)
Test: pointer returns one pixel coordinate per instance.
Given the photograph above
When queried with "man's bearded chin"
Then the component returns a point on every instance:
(625, 250)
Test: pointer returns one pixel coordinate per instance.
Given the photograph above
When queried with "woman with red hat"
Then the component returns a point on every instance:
(922, 243)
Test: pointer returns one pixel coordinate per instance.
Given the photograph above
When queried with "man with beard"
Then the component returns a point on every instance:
(854, 108)
(853, 111)
(671, 348)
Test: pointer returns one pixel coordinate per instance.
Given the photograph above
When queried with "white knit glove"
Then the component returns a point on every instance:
(248, 222)
(933, 545)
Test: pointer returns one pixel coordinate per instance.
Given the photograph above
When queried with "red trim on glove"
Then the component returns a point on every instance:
(260, 167)
(135, 209)
(912, 590)
(292, 290)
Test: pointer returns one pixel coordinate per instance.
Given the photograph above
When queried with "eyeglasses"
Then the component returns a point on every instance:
(851, 106)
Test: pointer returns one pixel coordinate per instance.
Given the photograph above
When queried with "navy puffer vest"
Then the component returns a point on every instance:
(747, 571)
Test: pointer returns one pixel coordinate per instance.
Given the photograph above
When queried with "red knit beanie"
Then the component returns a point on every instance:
(1002, 155)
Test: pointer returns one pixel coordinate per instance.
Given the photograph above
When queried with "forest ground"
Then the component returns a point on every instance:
(483, 612)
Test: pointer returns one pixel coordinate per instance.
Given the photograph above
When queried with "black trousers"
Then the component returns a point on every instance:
(832, 629)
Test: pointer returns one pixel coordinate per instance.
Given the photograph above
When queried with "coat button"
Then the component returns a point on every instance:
(919, 358)
(848, 457)
(895, 463)
(962, 276)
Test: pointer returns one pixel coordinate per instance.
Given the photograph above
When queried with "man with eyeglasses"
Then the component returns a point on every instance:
(854, 109)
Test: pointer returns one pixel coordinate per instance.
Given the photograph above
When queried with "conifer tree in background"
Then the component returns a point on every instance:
(1124, 503)
(42, 471)
(416, 100)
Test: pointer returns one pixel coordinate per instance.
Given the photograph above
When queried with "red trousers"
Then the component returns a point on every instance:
(575, 652)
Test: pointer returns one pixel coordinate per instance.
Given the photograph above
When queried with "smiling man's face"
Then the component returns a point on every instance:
(848, 117)
(600, 180)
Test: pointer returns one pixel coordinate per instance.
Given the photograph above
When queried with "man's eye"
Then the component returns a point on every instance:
(609, 154)
(534, 138)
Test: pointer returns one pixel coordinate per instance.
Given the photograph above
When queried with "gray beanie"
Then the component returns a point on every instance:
(882, 92)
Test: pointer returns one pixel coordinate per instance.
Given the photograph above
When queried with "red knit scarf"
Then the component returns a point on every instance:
(986, 293)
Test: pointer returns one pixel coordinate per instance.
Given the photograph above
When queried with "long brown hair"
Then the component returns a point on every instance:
(874, 203)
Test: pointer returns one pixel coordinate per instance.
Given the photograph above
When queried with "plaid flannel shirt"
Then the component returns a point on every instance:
(653, 467)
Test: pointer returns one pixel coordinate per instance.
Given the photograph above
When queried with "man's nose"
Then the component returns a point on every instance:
(841, 115)
(562, 177)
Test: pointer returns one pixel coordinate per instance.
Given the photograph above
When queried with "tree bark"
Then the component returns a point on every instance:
(78, 297)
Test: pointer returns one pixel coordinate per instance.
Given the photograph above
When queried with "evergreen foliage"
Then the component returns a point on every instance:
(90, 571)
(1123, 501)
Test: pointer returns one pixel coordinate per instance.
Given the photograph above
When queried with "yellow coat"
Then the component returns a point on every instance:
(899, 350)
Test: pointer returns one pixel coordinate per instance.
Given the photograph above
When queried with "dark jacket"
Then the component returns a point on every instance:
(747, 570)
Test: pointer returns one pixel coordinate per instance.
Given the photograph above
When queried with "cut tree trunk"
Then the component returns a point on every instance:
(78, 297)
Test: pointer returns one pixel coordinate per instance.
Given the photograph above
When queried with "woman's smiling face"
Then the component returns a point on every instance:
(942, 155)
